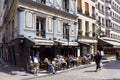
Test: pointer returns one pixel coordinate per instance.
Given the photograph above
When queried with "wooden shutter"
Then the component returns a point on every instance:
(79, 4)
(86, 7)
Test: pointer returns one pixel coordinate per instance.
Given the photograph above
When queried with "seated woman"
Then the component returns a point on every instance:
(85, 60)
(49, 66)
(30, 65)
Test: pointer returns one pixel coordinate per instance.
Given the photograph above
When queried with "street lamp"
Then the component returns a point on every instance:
(54, 18)
(67, 25)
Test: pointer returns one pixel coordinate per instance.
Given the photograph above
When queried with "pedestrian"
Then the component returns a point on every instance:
(117, 55)
(0, 60)
(102, 54)
(30, 64)
(37, 55)
(97, 59)
(36, 64)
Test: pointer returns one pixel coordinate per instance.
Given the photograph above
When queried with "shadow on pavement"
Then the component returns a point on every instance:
(113, 79)
(91, 71)
(110, 65)
(9, 69)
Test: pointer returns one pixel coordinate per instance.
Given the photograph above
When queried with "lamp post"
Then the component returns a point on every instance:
(54, 18)
(68, 36)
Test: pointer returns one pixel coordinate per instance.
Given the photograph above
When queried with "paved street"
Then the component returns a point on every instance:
(110, 71)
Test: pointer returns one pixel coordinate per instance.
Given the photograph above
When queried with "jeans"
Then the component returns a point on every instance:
(51, 68)
(98, 65)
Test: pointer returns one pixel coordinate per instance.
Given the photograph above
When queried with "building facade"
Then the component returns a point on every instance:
(2, 9)
(51, 27)
(86, 26)
(108, 25)
(45, 26)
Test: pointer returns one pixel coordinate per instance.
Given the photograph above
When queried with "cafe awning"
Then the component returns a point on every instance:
(108, 43)
(42, 42)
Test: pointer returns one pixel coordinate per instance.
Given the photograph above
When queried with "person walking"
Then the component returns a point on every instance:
(97, 59)
(117, 55)
(36, 64)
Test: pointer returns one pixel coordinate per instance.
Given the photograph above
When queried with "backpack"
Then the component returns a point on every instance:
(102, 53)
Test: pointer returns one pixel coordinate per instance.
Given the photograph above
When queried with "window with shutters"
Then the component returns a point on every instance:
(59, 26)
(50, 24)
(29, 20)
(40, 26)
(79, 6)
(87, 28)
(65, 5)
(41, 1)
(86, 8)
(79, 24)
(93, 30)
(93, 11)
(65, 31)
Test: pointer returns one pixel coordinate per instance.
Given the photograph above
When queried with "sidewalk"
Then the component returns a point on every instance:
(12, 70)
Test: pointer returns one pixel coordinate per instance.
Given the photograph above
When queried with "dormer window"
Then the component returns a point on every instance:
(41, 1)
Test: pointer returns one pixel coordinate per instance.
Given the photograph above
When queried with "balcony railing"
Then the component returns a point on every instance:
(86, 13)
(66, 9)
(64, 36)
(101, 11)
(108, 1)
(40, 33)
(93, 0)
(79, 10)
(117, 1)
(108, 13)
(93, 15)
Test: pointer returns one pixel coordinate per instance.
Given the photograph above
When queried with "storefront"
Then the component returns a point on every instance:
(87, 46)
(66, 48)
(108, 45)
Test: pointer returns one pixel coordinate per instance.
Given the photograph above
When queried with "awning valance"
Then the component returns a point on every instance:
(84, 43)
(70, 44)
(52, 42)
(88, 41)
(64, 43)
(42, 42)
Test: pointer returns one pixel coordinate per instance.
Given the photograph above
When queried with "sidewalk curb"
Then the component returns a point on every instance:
(74, 68)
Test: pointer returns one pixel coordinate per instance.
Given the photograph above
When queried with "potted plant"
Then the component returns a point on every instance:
(87, 33)
(80, 32)
(93, 34)
(42, 33)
